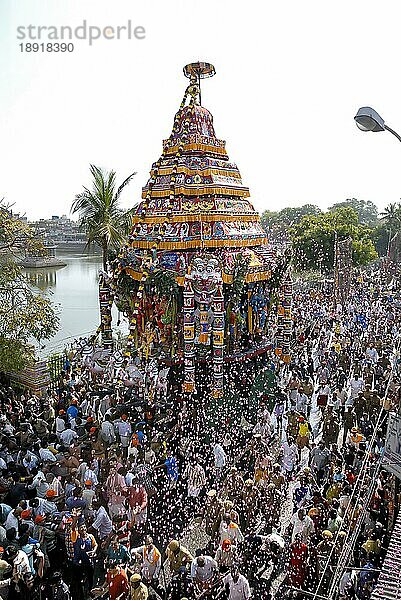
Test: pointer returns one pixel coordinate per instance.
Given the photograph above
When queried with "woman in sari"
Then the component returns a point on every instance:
(298, 562)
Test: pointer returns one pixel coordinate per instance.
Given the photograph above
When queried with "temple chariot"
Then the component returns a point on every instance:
(198, 281)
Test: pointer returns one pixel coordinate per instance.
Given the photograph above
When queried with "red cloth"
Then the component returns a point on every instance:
(137, 497)
(118, 586)
(298, 564)
(123, 532)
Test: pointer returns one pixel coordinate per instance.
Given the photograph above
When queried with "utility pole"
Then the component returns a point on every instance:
(342, 268)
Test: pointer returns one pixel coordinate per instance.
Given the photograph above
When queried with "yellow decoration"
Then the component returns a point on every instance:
(207, 172)
(195, 217)
(188, 387)
(218, 337)
(189, 332)
(198, 147)
(197, 243)
(189, 190)
(250, 278)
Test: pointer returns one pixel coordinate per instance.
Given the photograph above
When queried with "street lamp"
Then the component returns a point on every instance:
(367, 119)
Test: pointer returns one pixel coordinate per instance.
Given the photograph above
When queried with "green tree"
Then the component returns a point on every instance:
(100, 214)
(25, 315)
(380, 239)
(391, 216)
(293, 214)
(314, 236)
(269, 219)
(366, 210)
(280, 221)
(391, 223)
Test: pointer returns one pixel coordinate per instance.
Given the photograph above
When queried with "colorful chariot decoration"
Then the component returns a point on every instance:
(197, 277)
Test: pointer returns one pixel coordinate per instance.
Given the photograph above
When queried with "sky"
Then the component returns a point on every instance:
(290, 77)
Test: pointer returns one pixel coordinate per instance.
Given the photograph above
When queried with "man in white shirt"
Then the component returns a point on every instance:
(88, 406)
(102, 522)
(30, 461)
(302, 525)
(12, 519)
(203, 569)
(219, 456)
(356, 385)
(229, 530)
(107, 433)
(46, 455)
(47, 505)
(130, 475)
(39, 484)
(372, 354)
(263, 427)
(43, 506)
(90, 475)
(151, 559)
(348, 582)
(237, 585)
(19, 561)
(220, 459)
(290, 456)
(340, 400)
(196, 478)
(7, 428)
(68, 435)
(124, 430)
(301, 401)
(60, 423)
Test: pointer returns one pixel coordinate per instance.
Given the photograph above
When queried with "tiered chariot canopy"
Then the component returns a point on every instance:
(197, 226)
(195, 198)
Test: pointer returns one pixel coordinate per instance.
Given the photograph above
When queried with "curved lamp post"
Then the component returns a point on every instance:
(367, 119)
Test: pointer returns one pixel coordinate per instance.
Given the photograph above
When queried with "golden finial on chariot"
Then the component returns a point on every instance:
(199, 70)
(195, 72)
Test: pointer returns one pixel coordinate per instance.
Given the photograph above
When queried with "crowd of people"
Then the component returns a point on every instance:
(104, 494)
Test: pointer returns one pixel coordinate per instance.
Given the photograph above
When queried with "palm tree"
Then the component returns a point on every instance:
(104, 222)
(391, 213)
(107, 225)
(392, 219)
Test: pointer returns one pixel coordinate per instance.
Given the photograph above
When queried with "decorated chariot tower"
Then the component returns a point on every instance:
(197, 279)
